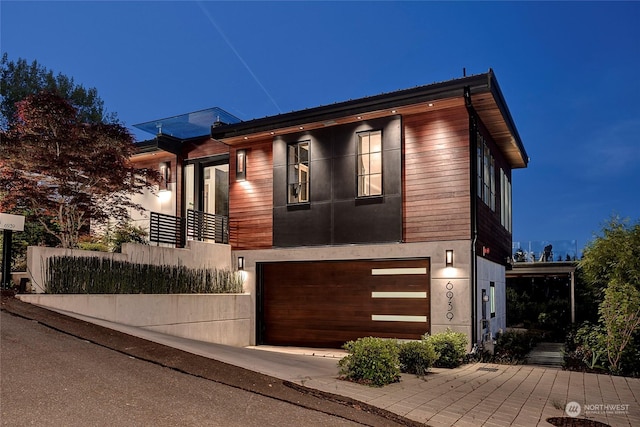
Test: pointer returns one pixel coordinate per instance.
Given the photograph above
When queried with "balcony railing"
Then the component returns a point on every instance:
(200, 226)
(166, 229)
(204, 226)
(545, 251)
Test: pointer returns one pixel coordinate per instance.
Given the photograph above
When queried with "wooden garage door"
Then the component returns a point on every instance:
(325, 304)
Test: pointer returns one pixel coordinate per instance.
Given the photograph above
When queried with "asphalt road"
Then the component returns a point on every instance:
(49, 378)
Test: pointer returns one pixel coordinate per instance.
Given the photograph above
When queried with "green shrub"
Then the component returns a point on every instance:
(371, 361)
(93, 246)
(513, 346)
(450, 346)
(416, 357)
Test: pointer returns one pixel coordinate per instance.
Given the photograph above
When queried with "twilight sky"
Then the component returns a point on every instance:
(568, 71)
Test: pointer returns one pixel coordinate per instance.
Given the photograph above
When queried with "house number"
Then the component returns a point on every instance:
(449, 295)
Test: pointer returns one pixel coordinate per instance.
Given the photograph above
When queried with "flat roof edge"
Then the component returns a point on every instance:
(434, 91)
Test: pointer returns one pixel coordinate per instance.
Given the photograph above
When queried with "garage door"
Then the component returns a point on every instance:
(325, 304)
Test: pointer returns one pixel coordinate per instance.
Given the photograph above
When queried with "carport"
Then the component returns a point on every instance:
(544, 270)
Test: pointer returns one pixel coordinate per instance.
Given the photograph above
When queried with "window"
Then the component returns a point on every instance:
(298, 172)
(492, 298)
(486, 173)
(505, 201)
(369, 163)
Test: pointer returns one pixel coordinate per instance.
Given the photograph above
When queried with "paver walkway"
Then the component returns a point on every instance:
(499, 395)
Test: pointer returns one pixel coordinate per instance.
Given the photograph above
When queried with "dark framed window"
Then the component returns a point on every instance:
(298, 172)
(492, 299)
(486, 173)
(369, 160)
(505, 200)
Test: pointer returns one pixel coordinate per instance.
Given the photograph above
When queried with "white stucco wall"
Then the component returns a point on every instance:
(162, 202)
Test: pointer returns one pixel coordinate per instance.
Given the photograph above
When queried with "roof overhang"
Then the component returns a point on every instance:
(542, 269)
(486, 97)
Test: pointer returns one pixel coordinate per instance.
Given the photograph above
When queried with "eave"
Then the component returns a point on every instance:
(487, 101)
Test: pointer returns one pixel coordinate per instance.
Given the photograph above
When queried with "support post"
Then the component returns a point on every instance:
(7, 238)
(573, 297)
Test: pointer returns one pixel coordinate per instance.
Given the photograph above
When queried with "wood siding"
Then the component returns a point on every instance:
(194, 149)
(436, 176)
(251, 201)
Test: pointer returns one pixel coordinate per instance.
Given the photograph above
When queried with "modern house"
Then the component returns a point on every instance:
(384, 216)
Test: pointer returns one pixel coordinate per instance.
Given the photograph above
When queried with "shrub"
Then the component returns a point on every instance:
(450, 346)
(371, 361)
(513, 346)
(416, 357)
(93, 246)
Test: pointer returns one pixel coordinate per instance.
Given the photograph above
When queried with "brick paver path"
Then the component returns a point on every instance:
(499, 395)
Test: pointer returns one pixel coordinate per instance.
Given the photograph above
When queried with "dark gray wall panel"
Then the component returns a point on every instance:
(368, 221)
(334, 214)
(301, 226)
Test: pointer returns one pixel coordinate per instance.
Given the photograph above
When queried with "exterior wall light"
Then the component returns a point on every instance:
(165, 174)
(241, 165)
(240, 263)
(448, 257)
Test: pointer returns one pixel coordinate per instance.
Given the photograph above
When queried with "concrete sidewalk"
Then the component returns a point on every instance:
(473, 395)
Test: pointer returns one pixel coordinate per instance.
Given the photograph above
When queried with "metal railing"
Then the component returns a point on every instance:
(204, 226)
(545, 251)
(166, 229)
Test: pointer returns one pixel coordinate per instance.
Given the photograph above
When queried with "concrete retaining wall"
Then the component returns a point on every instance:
(216, 318)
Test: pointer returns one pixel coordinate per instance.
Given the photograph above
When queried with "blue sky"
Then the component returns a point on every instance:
(568, 70)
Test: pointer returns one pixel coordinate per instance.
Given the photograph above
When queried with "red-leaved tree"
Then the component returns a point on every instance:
(66, 172)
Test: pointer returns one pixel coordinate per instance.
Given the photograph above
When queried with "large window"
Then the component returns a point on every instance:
(505, 200)
(486, 173)
(369, 163)
(298, 172)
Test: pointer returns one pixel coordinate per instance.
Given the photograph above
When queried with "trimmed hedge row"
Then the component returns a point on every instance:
(92, 275)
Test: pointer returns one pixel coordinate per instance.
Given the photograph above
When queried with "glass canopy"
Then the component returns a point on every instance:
(189, 125)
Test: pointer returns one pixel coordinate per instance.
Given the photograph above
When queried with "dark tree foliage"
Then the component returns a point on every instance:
(20, 79)
(613, 255)
(67, 172)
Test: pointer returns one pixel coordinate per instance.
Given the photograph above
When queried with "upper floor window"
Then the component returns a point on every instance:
(298, 172)
(369, 163)
(486, 173)
(505, 200)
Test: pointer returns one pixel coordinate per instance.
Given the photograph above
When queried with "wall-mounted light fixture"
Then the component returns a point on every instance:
(165, 174)
(241, 165)
(448, 257)
(240, 263)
